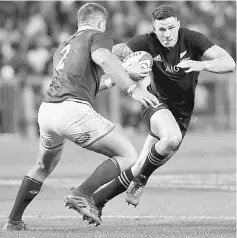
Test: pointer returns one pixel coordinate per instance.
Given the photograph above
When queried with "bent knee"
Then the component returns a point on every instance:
(172, 142)
(43, 168)
(131, 156)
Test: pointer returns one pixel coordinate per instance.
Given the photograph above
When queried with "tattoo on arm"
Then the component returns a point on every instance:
(121, 51)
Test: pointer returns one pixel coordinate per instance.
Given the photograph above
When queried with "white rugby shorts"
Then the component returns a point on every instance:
(72, 120)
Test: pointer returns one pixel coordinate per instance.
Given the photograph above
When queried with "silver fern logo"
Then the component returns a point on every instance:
(183, 54)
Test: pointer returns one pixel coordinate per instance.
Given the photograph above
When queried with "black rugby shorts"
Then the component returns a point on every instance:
(182, 121)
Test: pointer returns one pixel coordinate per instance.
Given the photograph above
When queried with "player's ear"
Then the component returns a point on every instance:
(101, 25)
(178, 24)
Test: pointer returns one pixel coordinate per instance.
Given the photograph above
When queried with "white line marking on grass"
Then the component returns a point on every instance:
(167, 181)
(138, 217)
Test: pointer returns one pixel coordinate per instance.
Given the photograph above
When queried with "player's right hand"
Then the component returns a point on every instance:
(144, 97)
(136, 73)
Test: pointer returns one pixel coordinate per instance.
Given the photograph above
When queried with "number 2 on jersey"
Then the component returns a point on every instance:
(63, 55)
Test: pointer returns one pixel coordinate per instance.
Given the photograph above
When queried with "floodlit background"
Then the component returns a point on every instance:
(198, 182)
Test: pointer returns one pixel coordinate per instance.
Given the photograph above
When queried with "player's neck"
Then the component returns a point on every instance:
(85, 26)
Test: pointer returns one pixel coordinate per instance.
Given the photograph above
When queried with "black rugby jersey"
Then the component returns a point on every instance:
(76, 75)
(171, 83)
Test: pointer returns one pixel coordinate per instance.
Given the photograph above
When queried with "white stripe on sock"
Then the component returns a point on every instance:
(122, 182)
(154, 160)
(125, 179)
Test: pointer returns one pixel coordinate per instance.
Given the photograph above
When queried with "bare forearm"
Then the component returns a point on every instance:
(112, 67)
(116, 72)
(220, 65)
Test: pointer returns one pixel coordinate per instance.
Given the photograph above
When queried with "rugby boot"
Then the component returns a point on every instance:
(83, 205)
(99, 214)
(134, 192)
(100, 211)
(14, 226)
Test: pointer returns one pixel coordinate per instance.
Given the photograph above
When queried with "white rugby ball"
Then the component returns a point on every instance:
(141, 58)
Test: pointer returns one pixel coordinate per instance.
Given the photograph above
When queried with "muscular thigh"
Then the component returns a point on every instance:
(113, 144)
(51, 144)
(163, 124)
(160, 120)
(49, 157)
(49, 139)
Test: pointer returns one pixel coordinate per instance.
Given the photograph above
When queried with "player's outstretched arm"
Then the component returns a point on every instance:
(113, 68)
(217, 60)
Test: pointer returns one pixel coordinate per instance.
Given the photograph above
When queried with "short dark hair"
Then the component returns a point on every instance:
(90, 11)
(162, 12)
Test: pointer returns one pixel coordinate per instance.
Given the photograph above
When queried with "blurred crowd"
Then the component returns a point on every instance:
(31, 30)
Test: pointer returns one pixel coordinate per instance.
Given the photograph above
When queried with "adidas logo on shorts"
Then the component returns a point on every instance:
(33, 192)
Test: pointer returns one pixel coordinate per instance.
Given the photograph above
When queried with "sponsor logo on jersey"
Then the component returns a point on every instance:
(158, 58)
(83, 138)
(174, 68)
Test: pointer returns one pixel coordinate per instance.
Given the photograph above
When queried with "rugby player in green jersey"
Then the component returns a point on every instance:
(67, 113)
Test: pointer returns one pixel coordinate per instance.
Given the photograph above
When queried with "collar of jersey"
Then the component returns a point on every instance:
(82, 28)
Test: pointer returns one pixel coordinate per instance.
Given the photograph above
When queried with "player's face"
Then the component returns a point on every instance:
(167, 31)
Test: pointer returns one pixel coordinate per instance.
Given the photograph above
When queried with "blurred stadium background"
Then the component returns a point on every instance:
(199, 182)
(30, 32)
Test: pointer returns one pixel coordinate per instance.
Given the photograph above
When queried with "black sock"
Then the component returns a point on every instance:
(103, 174)
(153, 161)
(28, 190)
(116, 187)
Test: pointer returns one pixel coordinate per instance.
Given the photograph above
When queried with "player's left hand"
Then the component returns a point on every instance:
(191, 66)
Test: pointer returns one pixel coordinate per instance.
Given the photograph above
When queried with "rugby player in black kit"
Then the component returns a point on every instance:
(179, 55)
(67, 113)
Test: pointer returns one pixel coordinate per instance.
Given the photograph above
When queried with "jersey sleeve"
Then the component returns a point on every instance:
(101, 40)
(138, 43)
(56, 55)
(200, 42)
